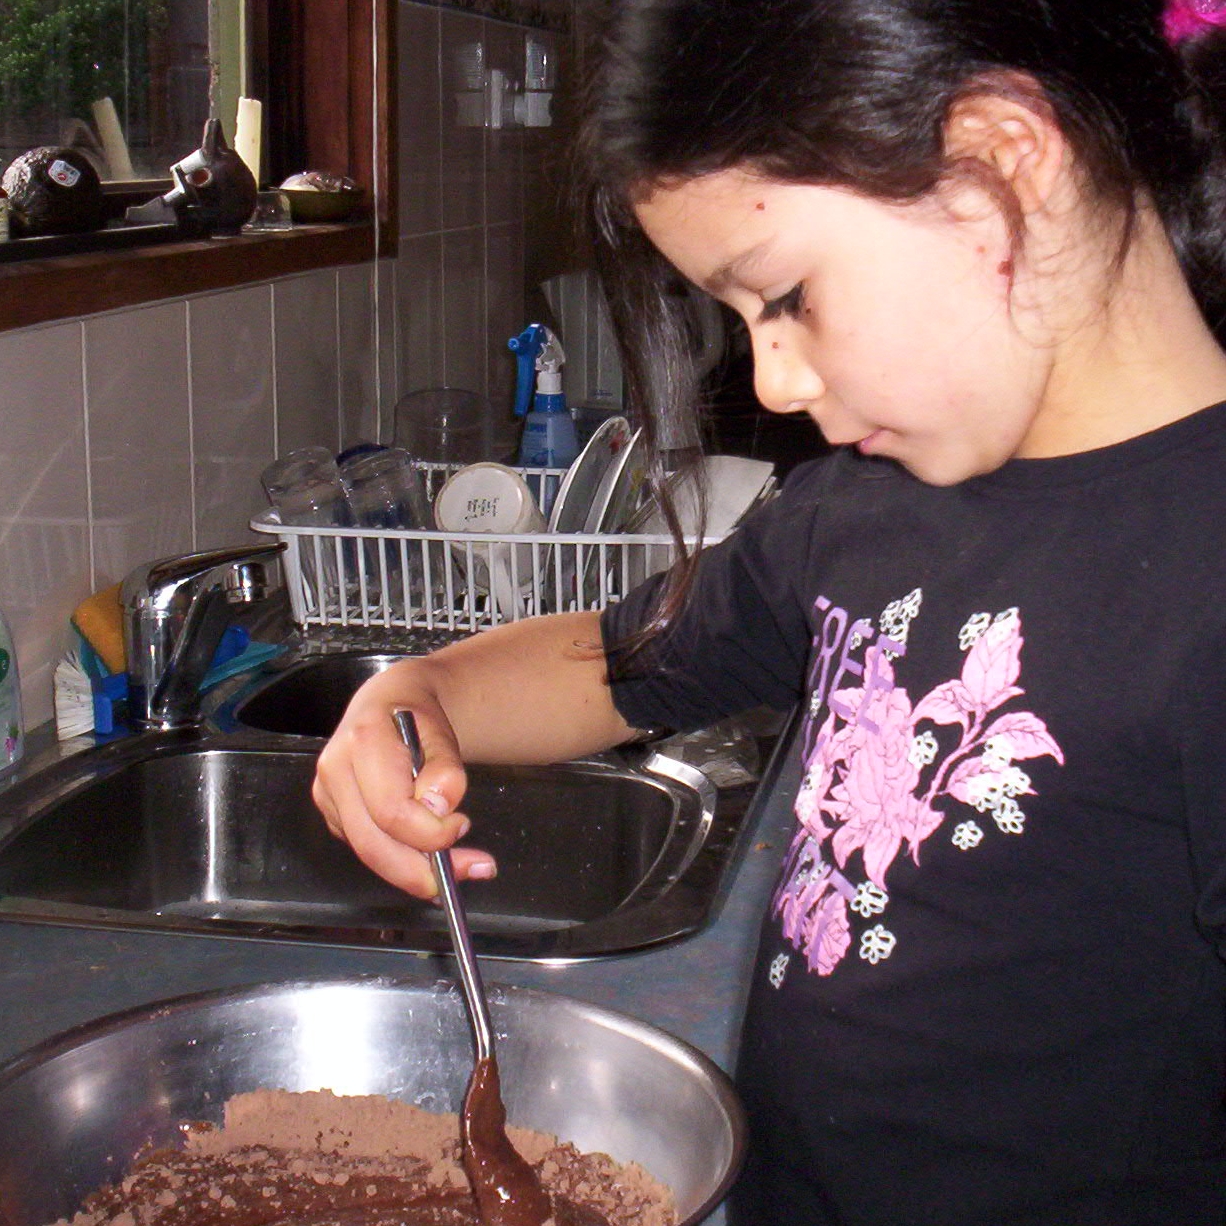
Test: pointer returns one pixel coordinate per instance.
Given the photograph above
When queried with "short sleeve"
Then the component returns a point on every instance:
(741, 639)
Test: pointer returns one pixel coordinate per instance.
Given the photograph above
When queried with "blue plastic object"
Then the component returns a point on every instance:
(235, 654)
(527, 347)
(549, 439)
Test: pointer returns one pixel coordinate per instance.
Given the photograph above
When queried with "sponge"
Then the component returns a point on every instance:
(99, 621)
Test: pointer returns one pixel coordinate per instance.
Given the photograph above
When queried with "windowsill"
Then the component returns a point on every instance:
(66, 286)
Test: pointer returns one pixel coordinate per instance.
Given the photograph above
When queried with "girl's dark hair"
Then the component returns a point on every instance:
(856, 93)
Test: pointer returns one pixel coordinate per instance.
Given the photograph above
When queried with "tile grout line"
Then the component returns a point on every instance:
(191, 425)
(379, 188)
(272, 350)
(336, 340)
(440, 132)
(89, 461)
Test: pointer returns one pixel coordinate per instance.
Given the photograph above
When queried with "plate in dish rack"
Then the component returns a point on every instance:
(584, 478)
(617, 497)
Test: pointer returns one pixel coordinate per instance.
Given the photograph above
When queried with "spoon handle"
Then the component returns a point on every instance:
(453, 908)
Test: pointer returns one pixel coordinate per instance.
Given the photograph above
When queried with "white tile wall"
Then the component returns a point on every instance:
(472, 202)
(232, 407)
(140, 444)
(45, 564)
(140, 433)
(132, 434)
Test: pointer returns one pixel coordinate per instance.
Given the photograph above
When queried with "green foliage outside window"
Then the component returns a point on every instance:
(65, 54)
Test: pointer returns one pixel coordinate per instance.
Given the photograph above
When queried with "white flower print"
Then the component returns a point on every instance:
(1008, 618)
(1014, 781)
(967, 835)
(997, 753)
(870, 899)
(923, 749)
(778, 968)
(985, 792)
(1009, 817)
(973, 629)
(877, 943)
(896, 618)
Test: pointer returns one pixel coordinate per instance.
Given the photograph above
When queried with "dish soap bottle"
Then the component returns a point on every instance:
(549, 439)
(12, 736)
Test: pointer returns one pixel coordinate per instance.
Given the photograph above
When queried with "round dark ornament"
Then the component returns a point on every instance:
(53, 190)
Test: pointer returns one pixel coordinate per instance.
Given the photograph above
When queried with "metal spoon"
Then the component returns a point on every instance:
(506, 1188)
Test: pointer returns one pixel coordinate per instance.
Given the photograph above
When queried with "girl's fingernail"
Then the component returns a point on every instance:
(465, 827)
(483, 870)
(435, 801)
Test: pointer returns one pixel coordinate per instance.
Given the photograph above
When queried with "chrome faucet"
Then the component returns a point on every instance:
(175, 612)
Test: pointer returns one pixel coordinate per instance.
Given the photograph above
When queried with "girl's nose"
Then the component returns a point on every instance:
(784, 380)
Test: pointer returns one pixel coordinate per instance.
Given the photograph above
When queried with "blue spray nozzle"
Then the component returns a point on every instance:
(527, 347)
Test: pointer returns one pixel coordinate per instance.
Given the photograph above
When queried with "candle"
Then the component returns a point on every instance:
(113, 143)
(247, 132)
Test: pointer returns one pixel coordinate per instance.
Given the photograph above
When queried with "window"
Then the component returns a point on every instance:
(127, 83)
(321, 69)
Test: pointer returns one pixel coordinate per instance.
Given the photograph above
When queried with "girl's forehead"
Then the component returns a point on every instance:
(733, 213)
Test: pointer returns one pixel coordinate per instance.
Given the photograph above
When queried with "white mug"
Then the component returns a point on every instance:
(492, 498)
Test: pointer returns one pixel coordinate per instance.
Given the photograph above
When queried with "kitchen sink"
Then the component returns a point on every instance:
(308, 697)
(214, 831)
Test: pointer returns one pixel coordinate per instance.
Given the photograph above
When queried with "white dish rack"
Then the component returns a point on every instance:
(456, 583)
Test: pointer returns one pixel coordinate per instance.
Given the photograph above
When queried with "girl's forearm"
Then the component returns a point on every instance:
(529, 692)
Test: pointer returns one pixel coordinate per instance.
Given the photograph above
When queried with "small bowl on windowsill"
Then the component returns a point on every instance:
(316, 208)
(317, 197)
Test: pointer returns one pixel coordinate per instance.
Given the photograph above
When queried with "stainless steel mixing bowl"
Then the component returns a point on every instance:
(75, 1110)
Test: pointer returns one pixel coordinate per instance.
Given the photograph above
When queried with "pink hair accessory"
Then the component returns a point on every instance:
(1184, 19)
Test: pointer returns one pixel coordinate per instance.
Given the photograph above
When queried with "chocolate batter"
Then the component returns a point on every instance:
(318, 1159)
(506, 1188)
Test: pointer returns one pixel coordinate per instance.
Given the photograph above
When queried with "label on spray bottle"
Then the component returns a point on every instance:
(547, 443)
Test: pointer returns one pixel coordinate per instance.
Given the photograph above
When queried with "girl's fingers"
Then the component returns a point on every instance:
(366, 790)
(403, 866)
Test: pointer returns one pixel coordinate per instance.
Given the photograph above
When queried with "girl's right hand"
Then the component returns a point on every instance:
(365, 788)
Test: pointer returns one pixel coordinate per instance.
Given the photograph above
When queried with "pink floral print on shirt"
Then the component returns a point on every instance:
(874, 779)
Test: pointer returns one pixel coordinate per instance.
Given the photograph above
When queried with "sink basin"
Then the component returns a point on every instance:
(216, 833)
(309, 697)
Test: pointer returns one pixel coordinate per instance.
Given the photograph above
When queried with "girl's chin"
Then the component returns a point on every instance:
(931, 468)
(871, 443)
(938, 469)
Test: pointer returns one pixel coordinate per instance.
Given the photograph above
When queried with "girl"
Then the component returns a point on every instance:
(981, 244)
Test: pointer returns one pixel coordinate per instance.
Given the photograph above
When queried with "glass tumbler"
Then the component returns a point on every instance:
(445, 424)
(305, 487)
(272, 212)
(386, 490)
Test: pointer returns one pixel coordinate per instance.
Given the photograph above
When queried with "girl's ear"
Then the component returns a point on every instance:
(1008, 127)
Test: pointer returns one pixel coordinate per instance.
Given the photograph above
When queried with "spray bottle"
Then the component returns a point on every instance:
(549, 438)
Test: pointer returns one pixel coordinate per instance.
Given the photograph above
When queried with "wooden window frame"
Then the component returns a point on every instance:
(324, 85)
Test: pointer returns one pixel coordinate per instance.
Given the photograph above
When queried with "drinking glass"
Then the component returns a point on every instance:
(305, 487)
(445, 424)
(386, 490)
(271, 212)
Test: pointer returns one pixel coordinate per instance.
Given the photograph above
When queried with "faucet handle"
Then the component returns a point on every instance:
(176, 610)
(158, 582)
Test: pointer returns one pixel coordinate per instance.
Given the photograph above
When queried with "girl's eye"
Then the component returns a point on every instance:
(791, 303)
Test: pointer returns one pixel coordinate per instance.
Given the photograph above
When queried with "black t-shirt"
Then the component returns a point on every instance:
(989, 989)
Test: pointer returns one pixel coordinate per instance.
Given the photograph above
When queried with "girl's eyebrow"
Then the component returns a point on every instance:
(733, 272)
